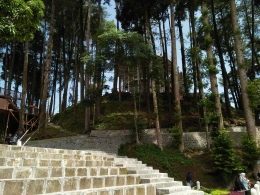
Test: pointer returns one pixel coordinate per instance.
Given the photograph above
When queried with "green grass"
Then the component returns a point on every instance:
(151, 154)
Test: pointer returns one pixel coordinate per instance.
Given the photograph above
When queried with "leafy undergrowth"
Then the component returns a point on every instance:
(177, 164)
(50, 131)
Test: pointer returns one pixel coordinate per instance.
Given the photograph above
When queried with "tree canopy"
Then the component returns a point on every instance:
(19, 19)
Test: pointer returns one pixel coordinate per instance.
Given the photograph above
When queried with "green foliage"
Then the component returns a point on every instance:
(124, 149)
(140, 129)
(206, 190)
(176, 136)
(237, 32)
(213, 69)
(130, 50)
(19, 19)
(214, 132)
(68, 121)
(151, 154)
(250, 151)
(208, 40)
(56, 118)
(224, 155)
(177, 116)
(253, 91)
(219, 192)
(209, 103)
(157, 70)
(205, 12)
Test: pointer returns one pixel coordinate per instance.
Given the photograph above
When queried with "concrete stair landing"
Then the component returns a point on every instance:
(34, 171)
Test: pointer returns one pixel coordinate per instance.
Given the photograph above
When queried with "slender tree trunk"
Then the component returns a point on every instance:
(47, 72)
(157, 123)
(87, 109)
(184, 69)
(135, 120)
(176, 75)
(25, 71)
(65, 88)
(211, 66)
(222, 63)
(76, 87)
(234, 86)
(52, 103)
(80, 63)
(99, 68)
(42, 59)
(163, 56)
(254, 57)
(250, 120)
(34, 79)
(11, 67)
(66, 65)
(5, 72)
(116, 68)
(60, 87)
(194, 51)
(167, 82)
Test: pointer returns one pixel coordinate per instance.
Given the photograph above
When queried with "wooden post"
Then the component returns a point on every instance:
(6, 126)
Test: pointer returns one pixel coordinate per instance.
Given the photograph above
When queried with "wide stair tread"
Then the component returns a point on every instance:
(172, 189)
(187, 192)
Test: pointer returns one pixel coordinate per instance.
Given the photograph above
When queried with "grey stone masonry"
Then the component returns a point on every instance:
(108, 144)
(110, 140)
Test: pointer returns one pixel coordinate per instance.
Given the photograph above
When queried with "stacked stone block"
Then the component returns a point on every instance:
(34, 171)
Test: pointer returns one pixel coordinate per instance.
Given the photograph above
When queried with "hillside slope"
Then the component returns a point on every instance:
(117, 115)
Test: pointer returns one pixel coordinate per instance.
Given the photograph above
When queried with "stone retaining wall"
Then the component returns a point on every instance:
(196, 140)
(111, 140)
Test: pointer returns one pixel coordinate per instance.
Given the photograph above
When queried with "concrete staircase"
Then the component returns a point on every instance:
(34, 171)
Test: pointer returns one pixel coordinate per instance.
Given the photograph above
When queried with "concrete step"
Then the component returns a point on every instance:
(44, 155)
(125, 161)
(172, 189)
(56, 151)
(162, 179)
(75, 193)
(142, 171)
(166, 184)
(50, 153)
(11, 161)
(75, 185)
(61, 184)
(40, 149)
(141, 189)
(48, 172)
(153, 175)
(133, 168)
(188, 192)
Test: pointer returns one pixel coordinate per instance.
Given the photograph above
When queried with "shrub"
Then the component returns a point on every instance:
(206, 190)
(140, 129)
(250, 151)
(150, 153)
(176, 136)
(219, 192)
(123, 149)
(224, 155)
